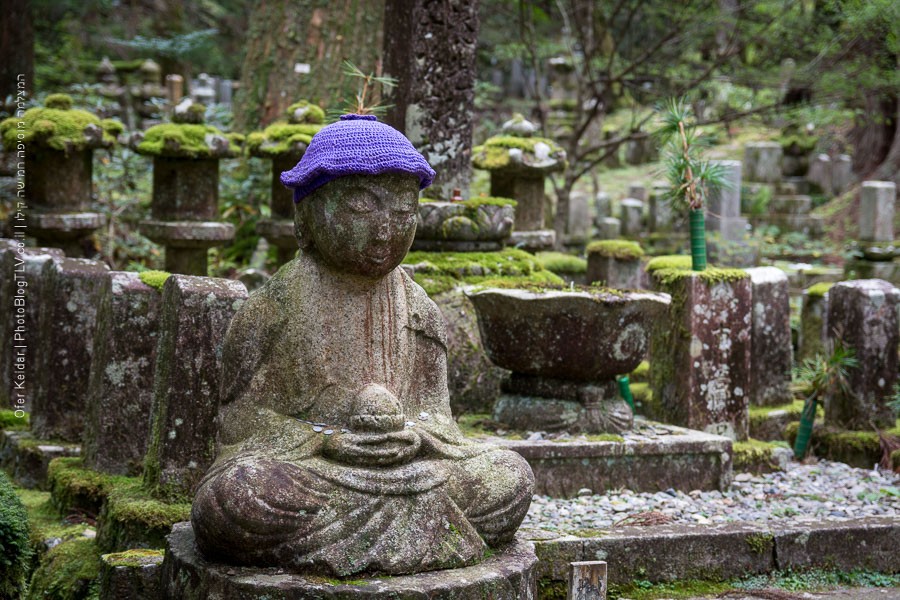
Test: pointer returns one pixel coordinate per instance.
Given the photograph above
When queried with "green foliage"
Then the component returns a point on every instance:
(155, 279)
(821, 375)
(58, 101)
(820, 289)
(494, 153)
(559, 262)
(70, 571)
(15, 547)
(369, 88)
(177, 46)
(9, 420)
(137, 557)
(619, 249)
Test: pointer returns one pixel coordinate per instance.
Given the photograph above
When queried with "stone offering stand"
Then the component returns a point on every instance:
(59, 144)
(284, 144)
(185, 206)
(476, 225)
(519, 164)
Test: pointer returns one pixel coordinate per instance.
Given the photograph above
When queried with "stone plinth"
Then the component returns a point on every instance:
(771, 358)
(120, 392)
(19, 325)
(464, 226)
(608, 228)
(59, 181)
(615, 264)
(578, 227)
(813, 322)
(876, 211)
(506, 575)
(862, 315)
(528, 192)
(631, 212)
(185, 190)
(187, 242)
(71, 295)
(723, 214)
(762, 162)
(533, 241)
(700, 353)
(195, 315)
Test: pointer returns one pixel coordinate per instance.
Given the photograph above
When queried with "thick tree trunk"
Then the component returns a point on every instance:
(16, 47)
(430, 49)
(287, 37)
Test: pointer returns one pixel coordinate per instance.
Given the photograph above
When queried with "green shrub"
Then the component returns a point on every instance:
(15, 548)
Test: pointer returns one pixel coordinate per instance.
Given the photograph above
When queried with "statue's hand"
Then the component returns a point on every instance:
(372, 449)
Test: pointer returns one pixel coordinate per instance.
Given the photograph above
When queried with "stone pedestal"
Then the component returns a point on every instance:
(463, 226)
(820, 174)
(631, 213)
(120, 392)
(533, 241)
(876, 211)
(618, 273)
(528, 193)
(771, 358)
(723, 214)
(578, 226)
(71, 295)
(608, 228)
(187, 242)
(186, 575)
(813, 322)
(196, 312)
(762, 162)
(862, 315)
(700, 353)
(842, 174)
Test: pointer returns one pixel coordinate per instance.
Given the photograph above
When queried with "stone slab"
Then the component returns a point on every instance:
(725, 202)
(25, 459)
(506, 575)
(651, 458)
(762, 162)
(876, 211)
(631, 215)
(196, 312)
(613, 272)
(771, 351)
(188, 234)
(533, 241)
(813, 326)
(871, 543)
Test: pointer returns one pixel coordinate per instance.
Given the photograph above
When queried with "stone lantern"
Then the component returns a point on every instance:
(112, 92)
(149, 96)
(519, 164)
(185, 205)
(57, 146)
(284, 144)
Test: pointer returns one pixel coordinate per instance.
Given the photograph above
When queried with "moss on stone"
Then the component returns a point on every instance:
(136, 557)
(44, 521)
(58, 129)
(559, 262)
(70, 571)
(73, 487)
(604, 437)
(10, 422)
(819, 290)
(711, 276)
(280, 139)
(858, 448)
(58, 101)
(683, 589)
(640, 373)
(129, 501)
(760, 414)
(761, 543)
(510, 262)
(619, 249)
(479, 201)
(184, 140)
(754, 455)
(439, 284)
(798, 144)
(672, 261)
(15, 545)
(306, 112)
(155, 279)
(494, 153)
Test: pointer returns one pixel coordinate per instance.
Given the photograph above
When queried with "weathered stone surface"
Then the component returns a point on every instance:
(841, 174)
(813, 325)
(645, 460)
(700, 355)
(196, 312)
(120, 391)
(876, 211)
(819, 174)
(862, 315)
(455, 221)
(134, 575)
(762, 162)
(638, 191)
(185, 190)
(631, 212)
(587, 580)
(602, 206)
(70, 295)
(473, 380)
(869, 544)
(661, 213)
(723, 215)
(20, 293)
(771, 349)
(614, 272)
(578, 226)
(507, 575)
(528, 192)
(608, 228)
(533, 241)
(59, 181)
(26, 459)
(335, 411)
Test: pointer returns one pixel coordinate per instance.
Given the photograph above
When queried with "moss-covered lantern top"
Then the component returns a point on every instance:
(58, 126)
(517, 150)
(188, 136)
(289, 138)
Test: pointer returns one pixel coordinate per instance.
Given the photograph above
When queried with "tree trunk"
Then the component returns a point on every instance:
(430, 50)
(16, 47)
(286, 37)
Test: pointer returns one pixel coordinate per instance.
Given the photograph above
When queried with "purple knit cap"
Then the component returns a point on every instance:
(355, 145)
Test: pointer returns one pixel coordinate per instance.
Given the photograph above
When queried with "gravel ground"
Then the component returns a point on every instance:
(820, 491)
(838, 594)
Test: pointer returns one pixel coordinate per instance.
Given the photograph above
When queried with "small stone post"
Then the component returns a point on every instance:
(842, 174)
(284, 143)
(615, 264)
(661, 216)
(196, 312)
(876, 211)
(602, 206)
(587, 580)
(70, 295)
(762, 162)
(820, 174)
(631, 212)
(579, 225)
(174, 88)
(862, 315)
(700, 353)
(813, 322)
(771, 351)
(120, 389)
(185, 204)
(723, 209)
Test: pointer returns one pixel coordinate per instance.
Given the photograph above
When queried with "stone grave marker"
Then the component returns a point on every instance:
(876, 211)
(771, 351)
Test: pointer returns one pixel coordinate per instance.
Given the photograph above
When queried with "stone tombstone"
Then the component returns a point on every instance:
(631, 213)
(609, 265)
(700, 354)
(20, 293)
(336, 439)
(608, 228)
(820, 173)
(203, 89)
(579, 222)
(723, 214)
(762, 162)
(842, 174)
(195, 315)
(813, 322)
(876, 211)
(120, 389)
(638, 191)
(71, 294)
(862, 315)
(771, 350)
(661, 216)
(602, 206)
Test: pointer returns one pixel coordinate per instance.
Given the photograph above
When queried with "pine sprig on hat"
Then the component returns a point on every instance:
(368, 95)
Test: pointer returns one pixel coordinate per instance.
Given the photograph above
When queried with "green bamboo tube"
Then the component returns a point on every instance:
(804, 431)
(698, 240)
(625, 391)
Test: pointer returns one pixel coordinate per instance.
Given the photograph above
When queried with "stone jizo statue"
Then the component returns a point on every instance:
(337, 450)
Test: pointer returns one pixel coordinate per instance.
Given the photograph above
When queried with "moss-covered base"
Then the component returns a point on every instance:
(26, 458)
(70, 571)
(768, 423)
(860, 449)
(131, 574)
(755, 456)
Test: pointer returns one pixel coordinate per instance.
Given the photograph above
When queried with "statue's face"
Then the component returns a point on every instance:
(364, 224)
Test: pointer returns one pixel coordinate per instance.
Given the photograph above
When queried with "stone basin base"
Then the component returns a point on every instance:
(458, 245)
(533, 241)
(507, 575)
